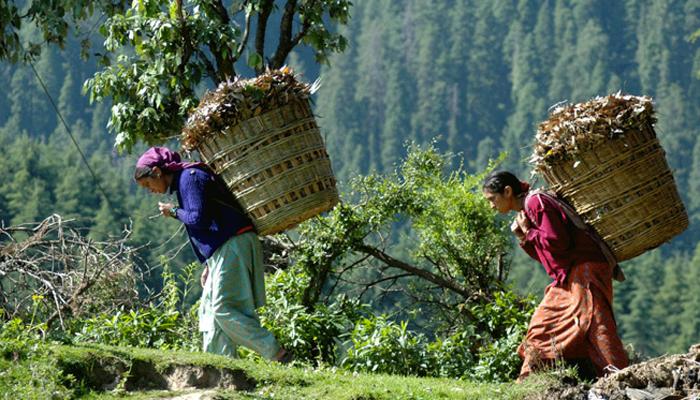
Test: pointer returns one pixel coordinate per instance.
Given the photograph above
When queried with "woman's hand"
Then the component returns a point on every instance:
(515, 228)
(166, 209)
(520, 226)
(523, 222)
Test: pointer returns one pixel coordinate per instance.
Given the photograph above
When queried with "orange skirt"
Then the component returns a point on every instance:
(575, 321)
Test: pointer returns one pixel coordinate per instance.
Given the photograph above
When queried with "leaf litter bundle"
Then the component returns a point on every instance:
(236, 100)
(575, 128)
(261, 137)
(604, 158)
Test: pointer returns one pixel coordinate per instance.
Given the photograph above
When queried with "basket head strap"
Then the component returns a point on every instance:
(579, 223)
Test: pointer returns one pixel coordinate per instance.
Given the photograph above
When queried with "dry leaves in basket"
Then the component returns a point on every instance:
(572, 129)
(240, 99)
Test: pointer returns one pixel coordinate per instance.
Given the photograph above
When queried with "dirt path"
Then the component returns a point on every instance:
(671, 377)
(196, 395)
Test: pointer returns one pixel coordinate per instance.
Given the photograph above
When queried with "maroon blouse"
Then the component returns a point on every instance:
(554, 241)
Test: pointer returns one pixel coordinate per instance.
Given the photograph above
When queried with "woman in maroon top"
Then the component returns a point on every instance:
(575, 320)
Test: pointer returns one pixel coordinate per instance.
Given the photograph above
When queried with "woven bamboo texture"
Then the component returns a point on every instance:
(625, 190)
(276, 165)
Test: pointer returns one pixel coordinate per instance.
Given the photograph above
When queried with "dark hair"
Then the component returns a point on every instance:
(497, 181)
(142, 172)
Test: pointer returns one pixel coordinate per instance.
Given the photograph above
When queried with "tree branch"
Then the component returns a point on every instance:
(378, 281)
(427, 275)
(347, 268)
(186, 42)
(209, 67)
(285, 40)
(261, 30)
(224, 64)
(244, 40)
(304, 28)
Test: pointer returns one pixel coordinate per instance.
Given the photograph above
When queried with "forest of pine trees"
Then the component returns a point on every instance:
(476, 76)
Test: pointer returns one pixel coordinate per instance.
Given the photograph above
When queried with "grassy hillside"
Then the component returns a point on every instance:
(101, 372)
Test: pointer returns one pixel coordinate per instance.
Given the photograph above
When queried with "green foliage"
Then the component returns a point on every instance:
(160, 51)
(452, 356)
(379, 344)
(456, 242)
(139, 328)
(383, 346)
(311, 334)
(27, 371)
(507, 311)
(499, 360)
(52, 20)
(168, 324)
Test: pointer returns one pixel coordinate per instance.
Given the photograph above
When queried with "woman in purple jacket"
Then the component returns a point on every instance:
(223, 239)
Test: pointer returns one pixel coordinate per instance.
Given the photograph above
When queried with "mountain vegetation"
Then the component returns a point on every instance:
(466, 80)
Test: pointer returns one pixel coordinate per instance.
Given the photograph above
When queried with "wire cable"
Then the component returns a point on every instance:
(65, 125)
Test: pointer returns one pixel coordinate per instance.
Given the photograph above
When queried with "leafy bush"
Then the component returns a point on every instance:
(499, 361)
(312, 335)
(452, 356)
(506, 311)
(484, 350)
(142, 328)
(26, 369)
(424, 231)
(384, 346)
(168, 324)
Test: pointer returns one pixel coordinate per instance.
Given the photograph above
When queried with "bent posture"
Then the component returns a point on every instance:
(223, 239)
(575, 319)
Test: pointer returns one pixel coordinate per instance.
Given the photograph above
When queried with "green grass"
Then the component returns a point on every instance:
(63, 372)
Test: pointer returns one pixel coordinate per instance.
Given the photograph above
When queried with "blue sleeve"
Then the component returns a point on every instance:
(193, 211)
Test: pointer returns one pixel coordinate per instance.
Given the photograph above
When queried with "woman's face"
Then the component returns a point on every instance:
(501, 202)
(156, 183)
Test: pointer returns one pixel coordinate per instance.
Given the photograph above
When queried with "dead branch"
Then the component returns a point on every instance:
(51, 269)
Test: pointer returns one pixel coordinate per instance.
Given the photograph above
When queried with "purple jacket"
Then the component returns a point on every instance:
(205, 210)
(554, 241)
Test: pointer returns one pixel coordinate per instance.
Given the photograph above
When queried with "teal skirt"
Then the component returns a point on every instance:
(234, 289)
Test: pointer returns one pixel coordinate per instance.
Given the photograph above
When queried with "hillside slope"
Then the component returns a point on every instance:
(101, 372)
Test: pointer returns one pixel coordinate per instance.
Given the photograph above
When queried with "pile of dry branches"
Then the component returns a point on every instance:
(50, 270)
(572, 129)
(240, 99)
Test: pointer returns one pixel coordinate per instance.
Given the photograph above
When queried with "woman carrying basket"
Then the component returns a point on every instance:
(575, 319)
(223, 239)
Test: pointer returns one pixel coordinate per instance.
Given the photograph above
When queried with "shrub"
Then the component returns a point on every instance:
(383, 346)
(484, 350)
(452, 357)
(312, 335)
(27, 370)
(168, 324)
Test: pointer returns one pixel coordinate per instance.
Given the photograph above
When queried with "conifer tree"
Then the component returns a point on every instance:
(459, 136)
(688, 310)
(370, 87)
(434, 93)
(668, 305)
(107, 222)
(635, 326)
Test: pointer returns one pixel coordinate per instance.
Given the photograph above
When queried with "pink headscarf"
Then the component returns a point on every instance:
(165, 159)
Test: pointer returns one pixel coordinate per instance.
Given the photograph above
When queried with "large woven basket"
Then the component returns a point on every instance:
(276, 165)
(625, 190)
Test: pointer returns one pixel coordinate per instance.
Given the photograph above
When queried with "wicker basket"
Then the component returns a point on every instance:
(276, 165)
(625, 190)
